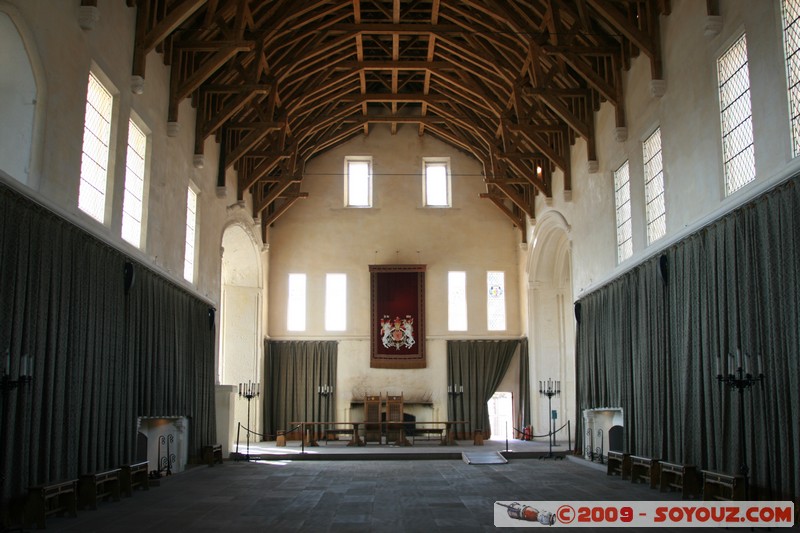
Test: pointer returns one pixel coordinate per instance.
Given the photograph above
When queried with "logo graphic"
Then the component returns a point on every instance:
(397, 332)
(529, 514)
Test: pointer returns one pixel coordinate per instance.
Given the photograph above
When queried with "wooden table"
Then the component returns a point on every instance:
(311, 431)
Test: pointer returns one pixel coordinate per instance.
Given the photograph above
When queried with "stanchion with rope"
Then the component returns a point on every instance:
(550, 436)
(263, 436)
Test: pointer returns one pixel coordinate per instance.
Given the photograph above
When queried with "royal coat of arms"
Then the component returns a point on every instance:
(397, 332)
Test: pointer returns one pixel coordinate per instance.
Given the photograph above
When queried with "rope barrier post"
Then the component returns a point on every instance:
(238, 432)
(569, 436)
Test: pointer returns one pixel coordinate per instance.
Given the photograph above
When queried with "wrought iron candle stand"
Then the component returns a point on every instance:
(598, 450)
(550, 388)
(165, 463)
(25, 374)
(325, 390)
(741, 381)
(248, 391)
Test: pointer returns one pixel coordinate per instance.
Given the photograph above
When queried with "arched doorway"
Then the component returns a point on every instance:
(22, 99)
(240, 344)
(552, 324)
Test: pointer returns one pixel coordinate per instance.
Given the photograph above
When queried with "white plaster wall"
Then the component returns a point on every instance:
(17, 101)
(318, 235)
(66, 53)
(688, 115)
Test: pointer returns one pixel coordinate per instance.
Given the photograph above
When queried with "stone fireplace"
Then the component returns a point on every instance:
(166, 442)
(596, 425)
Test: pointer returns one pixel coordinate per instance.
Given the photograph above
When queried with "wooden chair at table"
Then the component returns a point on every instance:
(372, 419)
(395, 428)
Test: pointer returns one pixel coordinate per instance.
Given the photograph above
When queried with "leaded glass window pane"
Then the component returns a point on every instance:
(654, 187)
(622, 196)
(736, 117)
(96, 141)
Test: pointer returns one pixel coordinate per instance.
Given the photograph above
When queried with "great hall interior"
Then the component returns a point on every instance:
(473, 218)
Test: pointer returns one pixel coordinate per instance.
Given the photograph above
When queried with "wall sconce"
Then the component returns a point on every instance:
(25, 373)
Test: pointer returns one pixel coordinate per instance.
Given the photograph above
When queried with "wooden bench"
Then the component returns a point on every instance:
(98, 486)
(46, 500)
(719, 486)
(646, 469)
(132, 476)
(212, 454)
(680, 477)
(619, 464)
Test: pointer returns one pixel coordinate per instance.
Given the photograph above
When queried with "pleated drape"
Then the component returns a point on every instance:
(103, 355)
(294, 372)
(654, 340)
(478, 365)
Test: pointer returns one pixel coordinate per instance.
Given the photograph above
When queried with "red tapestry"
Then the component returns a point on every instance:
(398, 316)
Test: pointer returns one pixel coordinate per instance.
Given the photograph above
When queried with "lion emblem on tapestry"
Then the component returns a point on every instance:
(397, 332)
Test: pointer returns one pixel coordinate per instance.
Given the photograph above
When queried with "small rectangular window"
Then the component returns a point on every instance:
(736, 117)
(622, 199)
(358, 182)
(436, 182)
(191, 235)
(335, 302)
(457, 301)
(96, 142)
(791, 48)
(654, 187)
(133, 201)
(296, 309)
(496, 301)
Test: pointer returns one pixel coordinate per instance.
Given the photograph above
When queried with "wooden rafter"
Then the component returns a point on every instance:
(512, 83)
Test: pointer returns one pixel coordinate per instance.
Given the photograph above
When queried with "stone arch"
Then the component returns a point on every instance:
(22, 99)
(551, 321)
(241, 312)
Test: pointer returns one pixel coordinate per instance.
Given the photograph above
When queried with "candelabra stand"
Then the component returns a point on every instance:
(454, 391)
(325, 390)
(25, 374)
(741, 381)
(550, 388)
(248, 391)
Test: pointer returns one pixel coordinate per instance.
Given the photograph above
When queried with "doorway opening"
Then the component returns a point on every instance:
(501, 413)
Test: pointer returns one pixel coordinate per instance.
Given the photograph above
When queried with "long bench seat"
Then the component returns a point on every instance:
(134, 475)
(719, 486)
(619, 463)
(682, 478)
(645, 469)
(50, 499)
(98, 486)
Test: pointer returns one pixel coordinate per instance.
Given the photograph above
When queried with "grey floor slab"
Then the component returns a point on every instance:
(351, 496)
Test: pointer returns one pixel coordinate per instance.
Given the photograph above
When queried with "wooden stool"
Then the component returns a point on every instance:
(281, 441)
(477, 439)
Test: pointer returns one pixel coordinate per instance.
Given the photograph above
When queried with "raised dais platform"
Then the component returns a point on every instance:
(421, 450)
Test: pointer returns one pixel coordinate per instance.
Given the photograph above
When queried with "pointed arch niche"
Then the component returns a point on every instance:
(240, 344)
(552, 326)
(22, 98)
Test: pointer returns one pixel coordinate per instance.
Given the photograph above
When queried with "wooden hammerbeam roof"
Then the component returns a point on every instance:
(511, 82)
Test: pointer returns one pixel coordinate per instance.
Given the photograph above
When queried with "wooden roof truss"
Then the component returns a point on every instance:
(513, 83)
